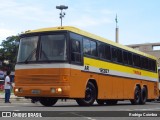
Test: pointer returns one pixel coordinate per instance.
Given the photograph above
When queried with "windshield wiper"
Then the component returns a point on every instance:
(30, 55)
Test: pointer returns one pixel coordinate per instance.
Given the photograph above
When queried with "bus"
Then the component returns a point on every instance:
(159, 82)
(1, 80)
(69, 63)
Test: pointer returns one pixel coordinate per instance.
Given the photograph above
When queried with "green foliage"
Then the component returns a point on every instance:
(8, 51)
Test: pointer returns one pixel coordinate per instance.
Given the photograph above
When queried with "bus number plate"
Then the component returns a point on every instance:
(35, 91)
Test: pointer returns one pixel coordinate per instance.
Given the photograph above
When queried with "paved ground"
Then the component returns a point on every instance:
(70, 107)
(12, 98)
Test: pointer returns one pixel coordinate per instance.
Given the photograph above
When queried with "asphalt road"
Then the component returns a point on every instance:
(62, 109)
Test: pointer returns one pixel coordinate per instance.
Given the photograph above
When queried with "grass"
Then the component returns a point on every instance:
(1, 91)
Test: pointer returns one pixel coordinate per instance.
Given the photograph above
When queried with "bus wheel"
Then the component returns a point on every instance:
(48, 101)
(137, 96)
(111, 102)
(100, 102)
(90, 95)
(143, 96)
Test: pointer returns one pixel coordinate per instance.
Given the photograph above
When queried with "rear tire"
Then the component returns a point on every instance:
(48, 101)
(143, 96)
(137, 96)
(90, 95)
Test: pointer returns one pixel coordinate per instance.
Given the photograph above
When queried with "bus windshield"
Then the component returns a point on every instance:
(42, 48)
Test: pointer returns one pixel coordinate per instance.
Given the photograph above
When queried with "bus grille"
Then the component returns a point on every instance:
(37, 79)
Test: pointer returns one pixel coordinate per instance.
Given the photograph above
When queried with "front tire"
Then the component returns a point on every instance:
(48, 101)
(143, 96)
(90, 95)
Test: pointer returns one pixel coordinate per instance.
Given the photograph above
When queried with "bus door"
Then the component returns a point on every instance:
(76, 59)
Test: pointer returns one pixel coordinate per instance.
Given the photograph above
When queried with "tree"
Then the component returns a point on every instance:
(8, 52)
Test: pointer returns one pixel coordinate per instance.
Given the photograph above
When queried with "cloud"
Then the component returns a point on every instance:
(4, 33)
(7, 4)
(88, 17)
(18, 16)
(25, 11)
(88, 21)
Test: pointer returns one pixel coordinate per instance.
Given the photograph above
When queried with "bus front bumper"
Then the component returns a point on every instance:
(42, 91)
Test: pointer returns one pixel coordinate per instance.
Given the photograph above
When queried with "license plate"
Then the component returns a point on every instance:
(35, 91)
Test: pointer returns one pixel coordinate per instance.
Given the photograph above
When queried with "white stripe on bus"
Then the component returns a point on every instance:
(91, 69)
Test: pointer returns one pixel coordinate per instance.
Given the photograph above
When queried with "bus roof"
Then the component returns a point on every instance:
(90, 35)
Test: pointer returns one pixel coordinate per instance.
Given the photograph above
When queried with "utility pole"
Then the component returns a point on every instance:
(62, 14)
(117, 30)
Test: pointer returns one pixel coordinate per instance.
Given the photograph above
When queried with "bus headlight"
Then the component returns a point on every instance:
(53, 90)
(18, 90)
(59, 90)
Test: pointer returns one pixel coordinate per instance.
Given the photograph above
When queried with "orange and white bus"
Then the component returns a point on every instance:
(69, 63)
(159, 82)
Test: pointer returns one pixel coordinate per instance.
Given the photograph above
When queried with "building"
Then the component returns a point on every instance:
(149, 48)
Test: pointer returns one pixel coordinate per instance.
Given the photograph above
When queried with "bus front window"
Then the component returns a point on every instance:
(27, 49)
(52, 47)
(42, 48)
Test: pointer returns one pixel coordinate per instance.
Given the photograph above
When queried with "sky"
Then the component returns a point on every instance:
(138, 20)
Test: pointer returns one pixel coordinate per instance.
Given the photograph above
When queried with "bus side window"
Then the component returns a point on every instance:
(117, 55)
(93, 48)
(90, 47)
(136, 60)
(114, 54)
(76, 56)
(130, 58)
(125, 57)
(86, 46)
(104, 51)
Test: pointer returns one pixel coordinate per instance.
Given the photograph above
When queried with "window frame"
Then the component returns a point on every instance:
(90, 54)
(107, 54)
(39, 34)
(70, 46)
(116, 51)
